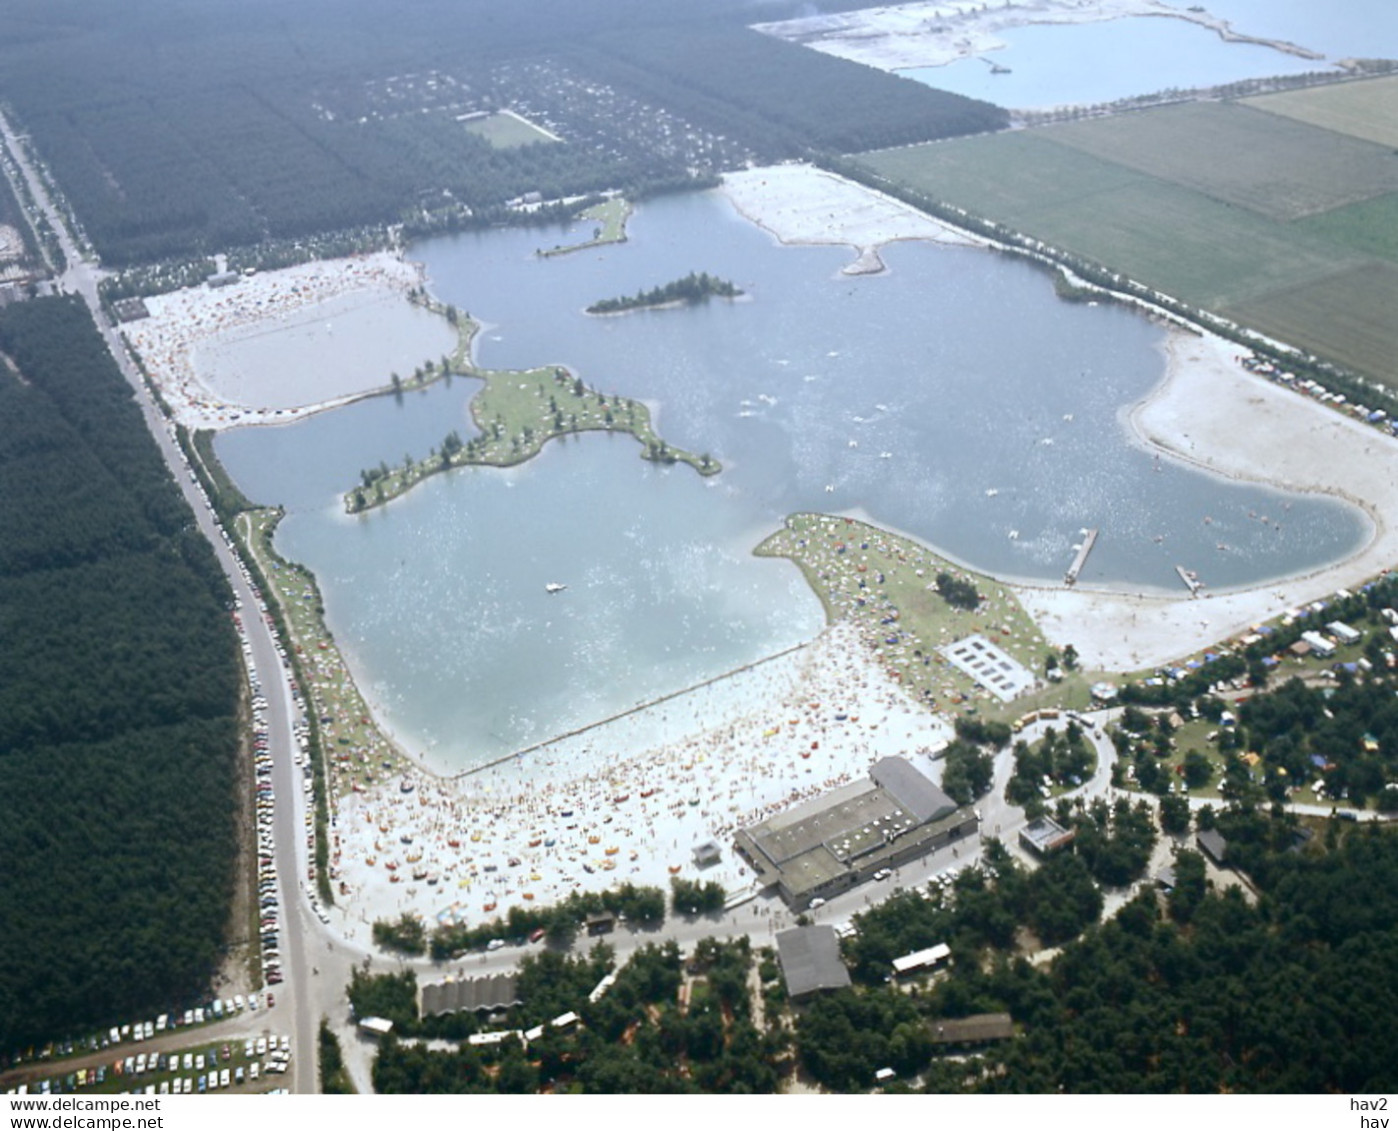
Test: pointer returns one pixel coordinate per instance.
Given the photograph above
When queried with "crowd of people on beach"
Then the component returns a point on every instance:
(580, 815)
(180, 321)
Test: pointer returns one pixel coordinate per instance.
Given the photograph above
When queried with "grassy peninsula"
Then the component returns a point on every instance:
(887, 585)
(697, 286)
(516, 412)
(609, 218)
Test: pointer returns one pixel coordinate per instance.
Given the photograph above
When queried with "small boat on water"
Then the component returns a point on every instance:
(554, 587)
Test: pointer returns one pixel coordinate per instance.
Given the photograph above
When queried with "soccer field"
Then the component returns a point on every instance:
(508, 131)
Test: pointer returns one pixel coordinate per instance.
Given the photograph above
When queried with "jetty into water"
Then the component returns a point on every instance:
(1191, 579)
(1089, 540)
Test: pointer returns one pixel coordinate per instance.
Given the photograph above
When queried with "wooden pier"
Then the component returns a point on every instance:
(1191, 580)
(1071, 577)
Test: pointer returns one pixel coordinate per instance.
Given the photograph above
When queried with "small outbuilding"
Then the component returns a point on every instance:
(707, 854)
(1214, 845)
(978, 1029)
(1044, 836)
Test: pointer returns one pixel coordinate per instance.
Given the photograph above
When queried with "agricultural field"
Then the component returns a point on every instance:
(1370, 227)
(1271, 221)
(507, 130)
(1179, 241)
(1348, 317)
(1367, 110)
(1280, 168)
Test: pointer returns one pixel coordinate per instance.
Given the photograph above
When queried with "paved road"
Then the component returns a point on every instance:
(298, 1009)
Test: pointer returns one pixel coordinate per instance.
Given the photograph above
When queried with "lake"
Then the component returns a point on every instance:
(1067, 64)
(954, 398)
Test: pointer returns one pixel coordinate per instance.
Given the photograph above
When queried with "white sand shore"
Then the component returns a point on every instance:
(1212, 413)
(1195, 414)
(598, 809)
(800, 204)
(182, 321)
(934, 33)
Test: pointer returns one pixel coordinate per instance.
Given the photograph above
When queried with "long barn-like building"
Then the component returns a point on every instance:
(840, 839)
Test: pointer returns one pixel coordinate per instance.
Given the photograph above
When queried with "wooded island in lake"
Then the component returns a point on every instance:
(694, 287)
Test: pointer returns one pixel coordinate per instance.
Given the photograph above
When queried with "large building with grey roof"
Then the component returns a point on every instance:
(810, 961)
(841, 838)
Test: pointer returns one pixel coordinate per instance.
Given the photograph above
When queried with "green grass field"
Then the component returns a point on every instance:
(1348, 317)
(1367, 110)
(1262, 218)
(1179, 241)
(1370, 227)
(1278, 167)
(507, 131)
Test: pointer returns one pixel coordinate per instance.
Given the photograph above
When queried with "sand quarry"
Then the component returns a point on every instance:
(630, 801)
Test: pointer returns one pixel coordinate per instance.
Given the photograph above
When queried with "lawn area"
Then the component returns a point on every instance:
(1367, 109)
(517, 412)
(886, 584)
(609, 219)
(1275, 166)
(1348, 317)
(507, 130)
(356, 751)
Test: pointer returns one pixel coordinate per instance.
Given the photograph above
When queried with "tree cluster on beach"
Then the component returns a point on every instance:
(119, 699)
(959, 592)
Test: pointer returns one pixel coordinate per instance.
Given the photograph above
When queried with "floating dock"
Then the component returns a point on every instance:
(1090, 540)
(1191, 579)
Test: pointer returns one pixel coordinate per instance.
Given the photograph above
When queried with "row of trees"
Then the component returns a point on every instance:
(119, 694)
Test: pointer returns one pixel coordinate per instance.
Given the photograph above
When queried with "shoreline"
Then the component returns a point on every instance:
(182, 321)
(1296, 445)
(936, 33)
(1191, 414)
(530, 831)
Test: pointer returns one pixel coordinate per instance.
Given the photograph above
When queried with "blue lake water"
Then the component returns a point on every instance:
(1071, 64)
(954, 397)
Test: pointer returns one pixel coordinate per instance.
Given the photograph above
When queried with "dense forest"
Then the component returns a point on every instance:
(118, 728)
(1193, 989)
(179, 128)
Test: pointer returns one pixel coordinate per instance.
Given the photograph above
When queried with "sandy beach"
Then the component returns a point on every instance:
(800, 204)
(629, 800)
(1210, 412)
(607, 807)
(182, 322)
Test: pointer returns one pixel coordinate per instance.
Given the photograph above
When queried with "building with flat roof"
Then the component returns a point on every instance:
(925, 959)
(990, 666)
(810, 961)
(1044, 836)
(839, 839)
